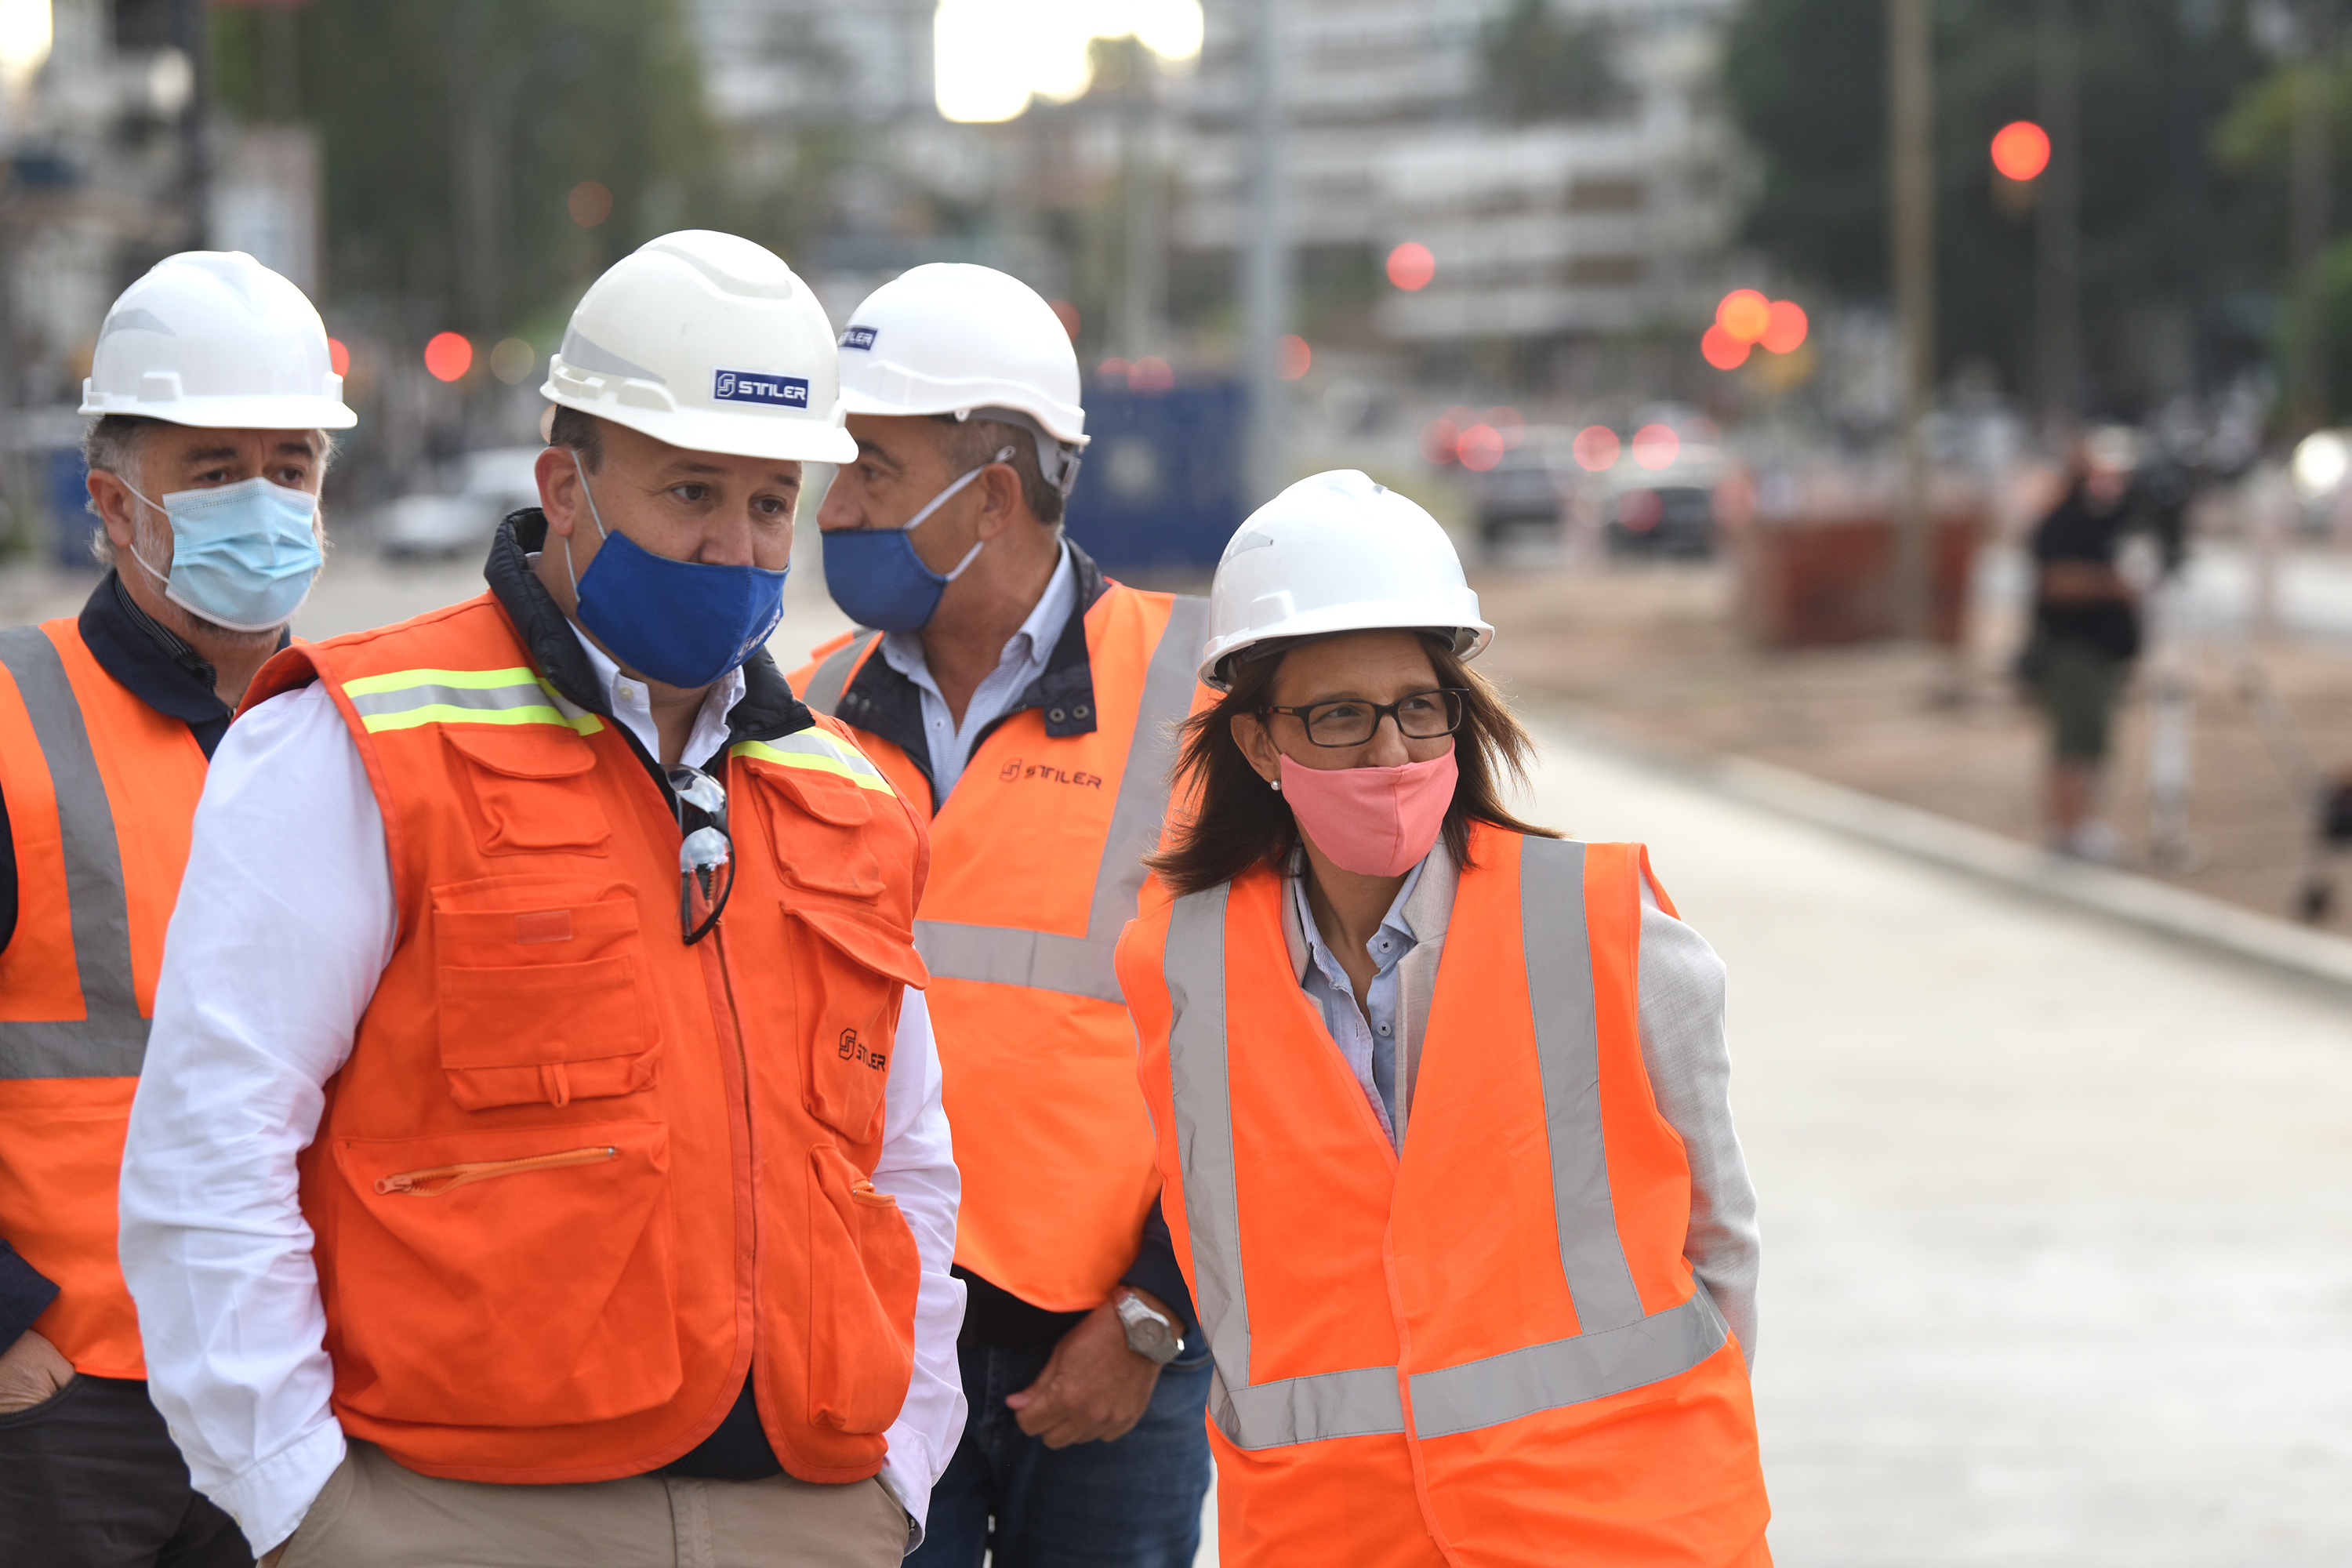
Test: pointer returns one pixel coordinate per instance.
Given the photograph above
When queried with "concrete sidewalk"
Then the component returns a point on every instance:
(2058, 1256)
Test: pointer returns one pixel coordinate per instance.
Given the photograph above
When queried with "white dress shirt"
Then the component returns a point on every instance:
(1680, 1014)
(1023, 660)
(285, 923)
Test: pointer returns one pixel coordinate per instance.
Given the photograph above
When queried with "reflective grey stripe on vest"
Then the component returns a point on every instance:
(1083, 966)
(110, 1041)
(832, 676)
(1617, 1347)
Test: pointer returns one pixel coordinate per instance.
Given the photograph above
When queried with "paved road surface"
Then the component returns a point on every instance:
(2057, 1218)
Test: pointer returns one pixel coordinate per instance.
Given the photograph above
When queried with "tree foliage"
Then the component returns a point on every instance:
(1806, 80)
(433, 112)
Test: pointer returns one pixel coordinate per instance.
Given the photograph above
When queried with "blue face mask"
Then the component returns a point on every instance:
(682, 623)
(877, 578)
(242, 555)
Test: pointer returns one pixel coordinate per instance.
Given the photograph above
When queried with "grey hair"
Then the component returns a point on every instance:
(113, 445)
(970, 443)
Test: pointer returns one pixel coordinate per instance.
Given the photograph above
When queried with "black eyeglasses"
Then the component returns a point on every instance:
(1423, 716)
(706, 859)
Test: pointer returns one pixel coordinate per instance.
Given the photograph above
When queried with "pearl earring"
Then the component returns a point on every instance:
(1276, 783)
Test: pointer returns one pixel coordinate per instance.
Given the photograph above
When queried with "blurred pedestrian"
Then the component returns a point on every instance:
(475, 1144)
(214, 395)
(1441, 1101)
(2086, 632)
(1026, 701)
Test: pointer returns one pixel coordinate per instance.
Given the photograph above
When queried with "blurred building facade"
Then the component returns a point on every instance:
(1608, 221)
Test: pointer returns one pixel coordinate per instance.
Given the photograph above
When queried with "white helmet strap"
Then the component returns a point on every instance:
(1058, 459)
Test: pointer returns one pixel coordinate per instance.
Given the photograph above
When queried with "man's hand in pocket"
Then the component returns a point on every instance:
(31, 1371)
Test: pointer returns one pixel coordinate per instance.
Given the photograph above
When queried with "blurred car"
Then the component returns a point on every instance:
(1660, 500)
(1527, 484)
(1673, 520)
(491, 484)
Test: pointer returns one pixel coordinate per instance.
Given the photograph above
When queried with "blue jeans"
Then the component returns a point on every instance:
(1134, 1504)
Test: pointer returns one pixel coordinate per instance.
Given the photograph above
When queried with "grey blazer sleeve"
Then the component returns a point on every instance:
(1681, 1013)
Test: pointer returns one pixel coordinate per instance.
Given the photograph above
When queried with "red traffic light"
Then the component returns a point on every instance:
(2020, 150)
(449, 356)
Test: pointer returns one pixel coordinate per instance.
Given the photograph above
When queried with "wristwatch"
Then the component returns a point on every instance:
(1150, 1334)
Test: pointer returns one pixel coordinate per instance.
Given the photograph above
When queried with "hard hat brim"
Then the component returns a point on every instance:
(283, 413)
(1394, 616)
(1055, 423)
(780, 438)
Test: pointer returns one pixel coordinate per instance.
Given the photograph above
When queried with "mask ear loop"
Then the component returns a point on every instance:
(595, 517)
(1004, 454)
(151, 506)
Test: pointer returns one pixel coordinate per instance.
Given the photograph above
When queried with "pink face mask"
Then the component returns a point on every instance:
(1376, 822)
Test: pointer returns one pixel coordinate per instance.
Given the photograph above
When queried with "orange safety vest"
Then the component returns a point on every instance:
(1487, 1352)
(1037, 862)
(102, 789)
(576, 1175)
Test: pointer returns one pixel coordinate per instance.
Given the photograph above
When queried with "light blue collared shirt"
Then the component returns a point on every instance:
(1022, 661)
(1366, 1036)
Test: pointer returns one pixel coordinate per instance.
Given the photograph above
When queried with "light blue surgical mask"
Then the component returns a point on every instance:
(242, 555)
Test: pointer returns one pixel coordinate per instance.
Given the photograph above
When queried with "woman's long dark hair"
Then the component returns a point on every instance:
(1227, 820)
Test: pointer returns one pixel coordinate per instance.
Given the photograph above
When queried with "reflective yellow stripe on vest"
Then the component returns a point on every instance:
(820, 753)
(404, 699)
(1619, 1347)
(110, 1040)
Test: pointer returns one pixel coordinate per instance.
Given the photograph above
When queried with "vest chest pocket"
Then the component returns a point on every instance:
(846, 970)
(817, 826)
(526, 787)
(543, 998)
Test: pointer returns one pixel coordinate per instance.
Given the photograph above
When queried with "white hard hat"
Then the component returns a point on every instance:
(213, 338)
(951, 338)
(709, 343)
(1336, 552)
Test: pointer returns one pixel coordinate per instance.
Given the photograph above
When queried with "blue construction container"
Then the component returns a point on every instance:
(1161, 485)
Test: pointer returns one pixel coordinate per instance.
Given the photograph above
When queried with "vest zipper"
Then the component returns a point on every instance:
(432, 1182)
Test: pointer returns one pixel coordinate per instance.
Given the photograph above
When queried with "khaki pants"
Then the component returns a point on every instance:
(374, 1514)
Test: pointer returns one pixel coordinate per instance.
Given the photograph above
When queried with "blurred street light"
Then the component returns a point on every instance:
(1785, 332)
(589, 204)
(1412, 266)
(2321, 461)
(1722, 350)
(1293, 357)
(1596, 448)
(339, 356)
(513, 360)
(991, 57)
(1656, 447)
(1745, 314)
(447, 356)
(2020, 150)
(27, 31)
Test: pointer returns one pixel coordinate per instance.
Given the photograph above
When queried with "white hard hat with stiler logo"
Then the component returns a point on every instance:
(708, 342)
(1336, 552)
